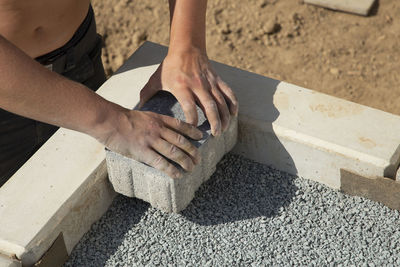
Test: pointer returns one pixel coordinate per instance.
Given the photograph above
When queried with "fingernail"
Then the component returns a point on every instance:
(196, 159)
(227, 125)
(191, 166)
(219, 130)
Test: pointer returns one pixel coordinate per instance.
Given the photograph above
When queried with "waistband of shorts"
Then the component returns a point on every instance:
(58, 60)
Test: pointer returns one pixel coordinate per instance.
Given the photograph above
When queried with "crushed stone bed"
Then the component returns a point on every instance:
(246, 214)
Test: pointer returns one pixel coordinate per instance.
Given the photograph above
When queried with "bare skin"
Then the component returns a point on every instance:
(28, 30)
(32, 28)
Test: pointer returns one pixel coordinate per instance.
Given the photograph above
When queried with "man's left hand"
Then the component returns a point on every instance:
(191, 79)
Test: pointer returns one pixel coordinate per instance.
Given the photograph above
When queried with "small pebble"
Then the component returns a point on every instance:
(334, 71)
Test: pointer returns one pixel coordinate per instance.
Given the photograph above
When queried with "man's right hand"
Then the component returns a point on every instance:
(146, 136)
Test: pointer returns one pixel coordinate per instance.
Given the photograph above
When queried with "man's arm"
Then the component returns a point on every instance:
(30, 90)
(186, 71)
(188, 25)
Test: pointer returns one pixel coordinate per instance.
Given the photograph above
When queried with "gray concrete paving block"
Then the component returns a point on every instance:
(135, 179)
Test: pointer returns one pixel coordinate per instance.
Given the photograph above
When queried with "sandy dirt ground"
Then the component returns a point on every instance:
(353, 57)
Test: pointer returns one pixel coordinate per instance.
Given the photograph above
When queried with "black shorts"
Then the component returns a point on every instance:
(79, 60)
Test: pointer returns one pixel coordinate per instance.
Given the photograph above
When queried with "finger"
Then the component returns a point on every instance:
(157, 161)
(174, 153)
(229, 97)
(182, 127)
(222, 107)
(182, 143)
(210, 109)
(147, 92)
(188, 104)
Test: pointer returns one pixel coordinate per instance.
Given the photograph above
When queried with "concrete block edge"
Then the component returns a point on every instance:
(315, 142)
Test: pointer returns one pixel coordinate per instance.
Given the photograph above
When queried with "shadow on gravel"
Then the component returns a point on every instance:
(240, 189)
(106, 235)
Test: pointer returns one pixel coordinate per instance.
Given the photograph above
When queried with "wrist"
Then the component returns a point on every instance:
(186, 50)
(106, 122)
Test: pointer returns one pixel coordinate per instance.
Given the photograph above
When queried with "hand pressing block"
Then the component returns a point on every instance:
(135, 179)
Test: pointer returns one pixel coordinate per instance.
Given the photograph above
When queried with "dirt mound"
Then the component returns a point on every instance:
(345, 55)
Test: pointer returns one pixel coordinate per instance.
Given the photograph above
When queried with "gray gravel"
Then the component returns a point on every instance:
(247, 214)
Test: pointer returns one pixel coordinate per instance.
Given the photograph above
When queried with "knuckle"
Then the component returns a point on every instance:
(181, 157)
(188, 104)
(144, 142)
(151, 137)
(178, 122)
(181, 80)
(210, 104)
(155, 125)
(198, 80)
(173, 150)
(158, 162)
(180, 139)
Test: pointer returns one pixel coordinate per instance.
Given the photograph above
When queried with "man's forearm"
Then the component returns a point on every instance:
(188, 25)
(30, 90)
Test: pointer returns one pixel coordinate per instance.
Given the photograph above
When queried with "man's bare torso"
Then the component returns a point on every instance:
(40, 26)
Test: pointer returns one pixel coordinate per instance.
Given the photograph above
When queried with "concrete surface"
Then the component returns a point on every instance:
(247, 214)
(361, 7)
(135, 179)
